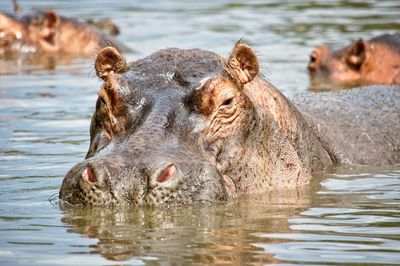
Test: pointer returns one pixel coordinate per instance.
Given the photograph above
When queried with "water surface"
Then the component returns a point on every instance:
(349, 216)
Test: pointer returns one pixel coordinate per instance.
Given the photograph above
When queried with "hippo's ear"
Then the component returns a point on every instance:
(51, 20)
(109, 61)
(242, 64)
(356, 54)
(48, 30)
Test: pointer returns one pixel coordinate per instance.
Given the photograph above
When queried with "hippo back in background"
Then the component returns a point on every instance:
(358, 126)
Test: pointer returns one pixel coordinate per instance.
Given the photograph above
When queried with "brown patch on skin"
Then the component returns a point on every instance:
(213, 93)
(113, 106)
(227, 111)
(108, 64)
(376, 61)
(220, 98)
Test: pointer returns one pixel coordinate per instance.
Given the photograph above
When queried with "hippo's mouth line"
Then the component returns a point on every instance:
(65, 200)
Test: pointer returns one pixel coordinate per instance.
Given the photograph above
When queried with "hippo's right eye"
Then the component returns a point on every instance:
(227, 101)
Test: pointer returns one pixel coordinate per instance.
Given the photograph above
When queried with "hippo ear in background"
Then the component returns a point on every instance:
(48, 29)
(356, 54)
(242, 64)
(109, 61)
(51, 20)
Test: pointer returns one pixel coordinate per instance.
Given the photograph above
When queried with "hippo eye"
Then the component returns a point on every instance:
(227, 102)
(227, 96)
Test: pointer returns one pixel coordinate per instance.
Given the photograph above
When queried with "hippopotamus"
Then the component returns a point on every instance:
(375, 61)
(189, 126)
(47, 32)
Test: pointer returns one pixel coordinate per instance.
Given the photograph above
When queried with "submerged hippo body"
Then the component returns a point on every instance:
(47, 32)
(187, 126)
(376, 61)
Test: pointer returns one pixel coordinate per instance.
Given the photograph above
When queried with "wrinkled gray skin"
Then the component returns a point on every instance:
(261, 143)
(358, 126)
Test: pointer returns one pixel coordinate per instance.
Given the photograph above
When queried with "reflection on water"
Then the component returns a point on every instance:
(204, 234)
(350, 217)
(354, 218)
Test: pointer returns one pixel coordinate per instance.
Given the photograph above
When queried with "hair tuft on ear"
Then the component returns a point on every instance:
(242, 65)
(108, 61)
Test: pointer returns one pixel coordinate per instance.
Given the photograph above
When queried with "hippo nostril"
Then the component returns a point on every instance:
(166, 174)
(88, 175)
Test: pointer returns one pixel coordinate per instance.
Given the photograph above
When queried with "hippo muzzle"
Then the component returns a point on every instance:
(117, 180)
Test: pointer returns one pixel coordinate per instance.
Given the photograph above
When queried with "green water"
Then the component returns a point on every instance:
(349, 216)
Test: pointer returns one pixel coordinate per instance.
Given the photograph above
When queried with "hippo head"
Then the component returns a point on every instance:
(12, 34)
(29, 32)
(166, 129)
(342, 67)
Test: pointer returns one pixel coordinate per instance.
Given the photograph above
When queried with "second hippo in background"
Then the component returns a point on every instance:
(47, 32)
(376, 61)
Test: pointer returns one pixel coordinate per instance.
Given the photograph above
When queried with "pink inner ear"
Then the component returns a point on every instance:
(166, 174)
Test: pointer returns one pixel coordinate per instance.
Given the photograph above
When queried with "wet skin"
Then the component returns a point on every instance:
(47, 32)
(106, 25)
(188, 126)
(376, 61)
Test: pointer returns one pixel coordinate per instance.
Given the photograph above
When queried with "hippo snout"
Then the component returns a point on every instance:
(101, 183)
(318, 57)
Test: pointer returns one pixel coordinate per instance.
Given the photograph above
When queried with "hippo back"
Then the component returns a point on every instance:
(359, 126)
